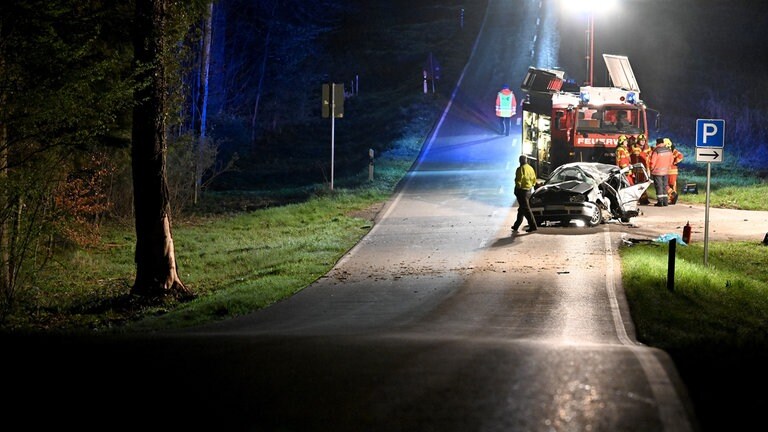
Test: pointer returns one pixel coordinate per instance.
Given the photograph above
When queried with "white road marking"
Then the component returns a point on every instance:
(671, 412)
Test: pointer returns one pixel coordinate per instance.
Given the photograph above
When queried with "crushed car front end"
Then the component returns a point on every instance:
(588, 193)
(562, 203)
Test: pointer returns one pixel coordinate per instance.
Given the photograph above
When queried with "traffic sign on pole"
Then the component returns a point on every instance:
(333, 107)
(710, 141)
(709, 154)
(710, 133)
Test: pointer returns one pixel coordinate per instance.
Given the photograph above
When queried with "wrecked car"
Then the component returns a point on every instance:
(587, 193)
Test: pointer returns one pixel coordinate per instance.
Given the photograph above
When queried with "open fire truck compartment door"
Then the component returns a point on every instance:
(620, 72)
(544, 81)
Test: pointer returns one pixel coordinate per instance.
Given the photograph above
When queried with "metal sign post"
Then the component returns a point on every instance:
(710, 140)
(333, 106)
(706, 216)
(333, 136)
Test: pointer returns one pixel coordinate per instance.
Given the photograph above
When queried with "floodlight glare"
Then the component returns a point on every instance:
(589, 6)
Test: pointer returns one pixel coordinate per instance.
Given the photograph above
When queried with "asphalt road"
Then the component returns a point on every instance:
(439, 320)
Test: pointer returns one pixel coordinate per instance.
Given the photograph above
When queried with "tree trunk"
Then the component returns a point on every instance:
(156, 271)
(6, 287)
(6, 282)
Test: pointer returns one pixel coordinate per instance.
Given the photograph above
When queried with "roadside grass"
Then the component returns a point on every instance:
(234, 261)
(713, 323)
(244, 263)
(729, 195)
(728, 189)
(722, 304)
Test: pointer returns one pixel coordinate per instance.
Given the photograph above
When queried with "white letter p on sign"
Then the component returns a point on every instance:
(710, 130)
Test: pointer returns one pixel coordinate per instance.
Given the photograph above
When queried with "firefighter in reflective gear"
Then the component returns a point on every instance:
(642, 141)
(661, 161)
(639, 153)
(506, 108)
(677, 157)
(622, 157)
(647, 150)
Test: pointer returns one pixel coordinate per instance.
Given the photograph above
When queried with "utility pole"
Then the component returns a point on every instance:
(590, 47)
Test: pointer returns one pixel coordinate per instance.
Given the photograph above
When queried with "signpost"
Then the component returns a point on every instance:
(710, 141)
(333, 107)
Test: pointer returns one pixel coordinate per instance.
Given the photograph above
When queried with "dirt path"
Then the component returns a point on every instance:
(724, 224)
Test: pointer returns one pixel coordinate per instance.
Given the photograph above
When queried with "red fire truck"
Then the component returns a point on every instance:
(563, 123)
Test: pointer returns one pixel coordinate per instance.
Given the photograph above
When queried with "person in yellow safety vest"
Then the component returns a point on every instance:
(506, 108)
(661, 161)
(623, 159)
(525, 181)
(639, 153)
(677, 157)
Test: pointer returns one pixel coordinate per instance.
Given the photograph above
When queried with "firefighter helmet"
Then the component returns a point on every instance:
(622, 138)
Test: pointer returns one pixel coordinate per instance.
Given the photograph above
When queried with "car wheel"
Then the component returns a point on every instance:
(597, 217)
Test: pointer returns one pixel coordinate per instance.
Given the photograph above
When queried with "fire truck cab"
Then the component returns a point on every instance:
(563, 123)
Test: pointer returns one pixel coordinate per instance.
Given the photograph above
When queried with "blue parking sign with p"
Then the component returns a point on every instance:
(710, 133)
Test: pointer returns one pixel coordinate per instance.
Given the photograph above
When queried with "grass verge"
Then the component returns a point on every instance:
(235, 263)
(713, 322)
